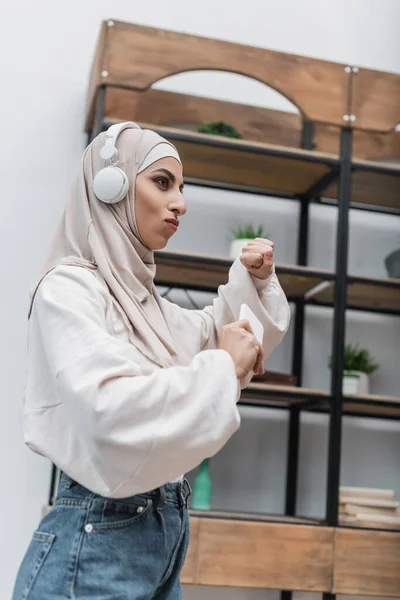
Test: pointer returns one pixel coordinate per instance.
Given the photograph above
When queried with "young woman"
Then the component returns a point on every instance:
(125, 391)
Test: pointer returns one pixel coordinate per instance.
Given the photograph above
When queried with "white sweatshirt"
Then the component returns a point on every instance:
(108, 416)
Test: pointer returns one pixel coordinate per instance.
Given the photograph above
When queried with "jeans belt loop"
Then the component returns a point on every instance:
(185, 491)
(161, 500)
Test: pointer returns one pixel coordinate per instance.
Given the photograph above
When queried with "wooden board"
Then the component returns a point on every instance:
(268, 395)
(256, 551)
(276, 378)
(207, 272)
(363, 292)
(248, 164)
(371, 186)
(253, 517)
(366, 563)
(190, 270)
(318, 88)
(373, 405)
(183, 111)
(286, 395)
(381, 189)
(375, 100)
(264, 555)
(373, 146)
(372, 410)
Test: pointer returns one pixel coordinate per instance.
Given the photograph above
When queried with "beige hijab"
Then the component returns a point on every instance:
(101, 236)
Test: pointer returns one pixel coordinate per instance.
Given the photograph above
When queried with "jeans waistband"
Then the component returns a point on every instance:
(176, 492)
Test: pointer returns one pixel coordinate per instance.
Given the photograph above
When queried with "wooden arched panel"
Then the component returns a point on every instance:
(375, 100)
(258, 124)
(136, 57)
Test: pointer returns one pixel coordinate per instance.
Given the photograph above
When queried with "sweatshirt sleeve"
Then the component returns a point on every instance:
(265, 298)
(143, 429)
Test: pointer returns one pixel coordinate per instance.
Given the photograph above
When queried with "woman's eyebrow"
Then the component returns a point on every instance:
(170, 176)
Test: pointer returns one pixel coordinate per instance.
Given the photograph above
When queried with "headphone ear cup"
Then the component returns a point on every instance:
(110, 185)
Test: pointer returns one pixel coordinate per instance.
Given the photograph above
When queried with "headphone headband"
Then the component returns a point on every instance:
(110, 184)
(109, 151)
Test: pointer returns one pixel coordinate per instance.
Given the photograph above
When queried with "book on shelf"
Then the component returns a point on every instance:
(371, 508)
(372, 502)
(360, 492)
(362, 516)
(390, 520)
(354, 509)
(367, 522)
(276, 378)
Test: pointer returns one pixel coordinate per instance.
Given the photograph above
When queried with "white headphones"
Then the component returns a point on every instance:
(110, 184)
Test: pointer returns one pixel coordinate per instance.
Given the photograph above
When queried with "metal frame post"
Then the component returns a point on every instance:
(339, 327)
(293, 445)
(292, 463)
(297, 356)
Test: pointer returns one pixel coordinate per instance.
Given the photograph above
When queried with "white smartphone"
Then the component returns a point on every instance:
(247, 314)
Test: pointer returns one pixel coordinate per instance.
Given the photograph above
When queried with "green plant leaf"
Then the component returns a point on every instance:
(357, 359)
(248, 232)
(219, 128)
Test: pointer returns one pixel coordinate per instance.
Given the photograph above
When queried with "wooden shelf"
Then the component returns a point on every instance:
(366, 563)
(280, 396)
(245, 164)
(229, 552)
(372, 405)
(373, 183)
(372, 293)
(232, 552)
(253, 517)
(205, 272)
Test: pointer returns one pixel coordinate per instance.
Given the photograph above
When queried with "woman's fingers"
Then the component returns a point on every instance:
(259, 365)
(252, 260)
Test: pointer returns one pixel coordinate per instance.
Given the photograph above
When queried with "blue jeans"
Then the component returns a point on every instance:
(93, 547)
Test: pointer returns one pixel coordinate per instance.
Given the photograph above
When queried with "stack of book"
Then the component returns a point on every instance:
(367, 507)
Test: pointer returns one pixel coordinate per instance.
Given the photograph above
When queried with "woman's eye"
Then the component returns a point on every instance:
(163, 181)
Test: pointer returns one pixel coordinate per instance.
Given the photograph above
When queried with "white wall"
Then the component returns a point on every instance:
(46, 49)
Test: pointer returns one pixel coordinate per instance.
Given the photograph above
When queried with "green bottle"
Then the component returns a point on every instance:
(202, 488)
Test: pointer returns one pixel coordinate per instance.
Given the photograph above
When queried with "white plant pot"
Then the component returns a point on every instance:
(237, 246)
(355, 382)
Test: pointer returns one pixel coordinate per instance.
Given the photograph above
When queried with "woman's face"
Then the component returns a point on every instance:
(159, 202)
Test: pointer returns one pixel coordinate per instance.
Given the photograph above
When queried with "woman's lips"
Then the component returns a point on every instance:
(174, 223)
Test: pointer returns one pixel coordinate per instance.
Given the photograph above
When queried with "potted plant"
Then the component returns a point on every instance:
(392, 263)
(357, 367)
(219, 128)
(242, 236)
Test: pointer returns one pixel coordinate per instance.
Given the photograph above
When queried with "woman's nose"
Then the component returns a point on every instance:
(178, 206)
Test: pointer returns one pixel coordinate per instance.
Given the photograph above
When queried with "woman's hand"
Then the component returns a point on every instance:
(258, 258)
(246, 352)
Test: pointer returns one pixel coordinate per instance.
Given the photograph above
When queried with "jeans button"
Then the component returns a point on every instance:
(88, 528)
(140, 509)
